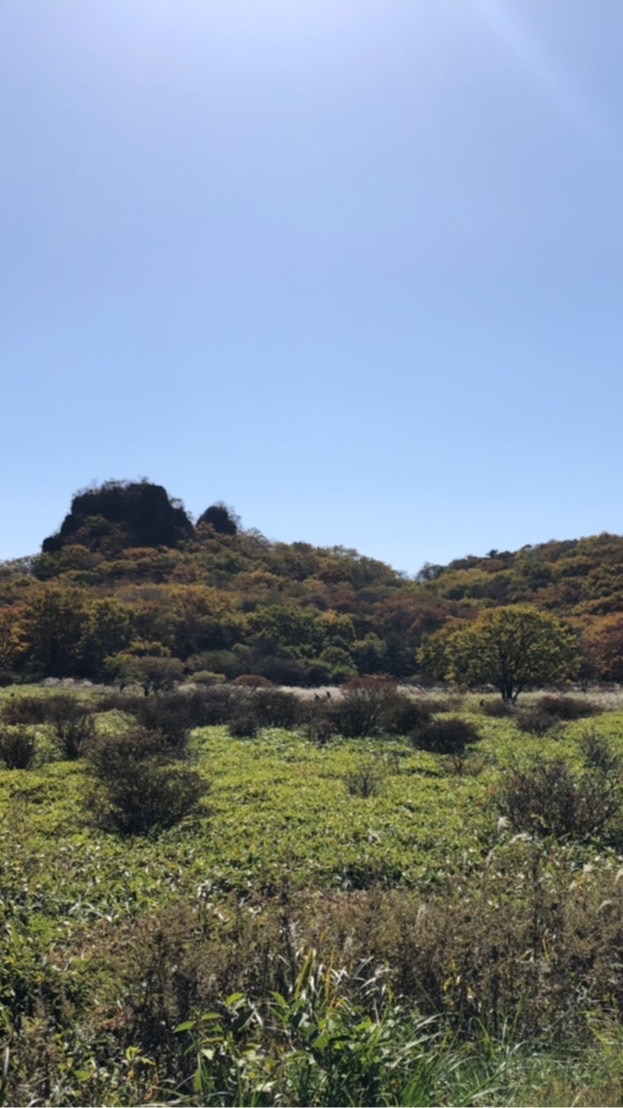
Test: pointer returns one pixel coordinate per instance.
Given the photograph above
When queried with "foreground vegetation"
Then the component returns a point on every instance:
(430, 915)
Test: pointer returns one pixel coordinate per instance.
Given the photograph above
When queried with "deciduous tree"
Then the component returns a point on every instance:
(512, 648)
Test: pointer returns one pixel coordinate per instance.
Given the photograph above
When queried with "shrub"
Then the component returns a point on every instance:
(445, 736)
(243, 723)
(216, 705)
(366, 779)
(566, 707)
(73, 725)
(205, 677)
(139, 787)
(119, 702)
(320, 728)
(253, 681)
(17, 748)
(598, 754)
(173, 714)
(276, 708)
(176, 713)
(535, 722)
(364, 704)
(549, 711)
(497, 709)
(152, 672)
(252, 709)
(403, 714)
(26, 709)
(547, 798)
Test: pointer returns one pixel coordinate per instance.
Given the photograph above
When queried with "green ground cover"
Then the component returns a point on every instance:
(293, 941)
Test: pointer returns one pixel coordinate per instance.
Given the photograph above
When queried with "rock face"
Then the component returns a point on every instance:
(221, 518)
(122, 514)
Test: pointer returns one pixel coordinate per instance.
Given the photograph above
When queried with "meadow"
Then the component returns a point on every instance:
(334, 921)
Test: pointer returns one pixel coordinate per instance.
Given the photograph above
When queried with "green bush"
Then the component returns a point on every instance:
(139, 787)
(73, 725)
(253, 681)
(366, 779)
(206, 678)
(17, 748)
(598, 754)
(445, 736)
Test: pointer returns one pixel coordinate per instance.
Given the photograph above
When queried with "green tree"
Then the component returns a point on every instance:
(154, 674)
(511, 648)
(108, 630)
(55, 619)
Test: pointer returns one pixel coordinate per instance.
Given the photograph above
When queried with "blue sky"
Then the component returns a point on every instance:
(352, 266)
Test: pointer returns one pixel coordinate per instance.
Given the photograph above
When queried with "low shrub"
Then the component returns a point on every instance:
(217, 704)
(320, 728)
(110, 755)
(403, 714)
(277, 708)
(532, 721)
(366, 779)
(139, 787)
(548, 712)
(253, 681)
(566, 707)
(71, 719)
(452, 702)
(118, 701)
(17, 748)
(73, 725)
(206, 678)
(173, 714)
(26, 709)
(243, 722)
(365, 703)
(547, 798)
(445, 736)
(496, 709)
(177, 713)
(252, 709)
(599, 754)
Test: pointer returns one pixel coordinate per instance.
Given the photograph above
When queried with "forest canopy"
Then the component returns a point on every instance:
(130, 575)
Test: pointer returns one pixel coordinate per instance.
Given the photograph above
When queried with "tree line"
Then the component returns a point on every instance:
(220, 601)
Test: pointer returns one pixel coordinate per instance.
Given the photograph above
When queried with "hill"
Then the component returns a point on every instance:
(129, 573)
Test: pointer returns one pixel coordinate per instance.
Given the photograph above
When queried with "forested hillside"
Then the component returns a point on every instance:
(129, 576)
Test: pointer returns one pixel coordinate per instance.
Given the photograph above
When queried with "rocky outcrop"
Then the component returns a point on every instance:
(121, 514)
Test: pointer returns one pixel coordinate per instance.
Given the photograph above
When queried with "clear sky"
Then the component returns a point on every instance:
(354, 267)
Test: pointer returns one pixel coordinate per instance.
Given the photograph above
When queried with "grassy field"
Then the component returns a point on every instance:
(353, 922)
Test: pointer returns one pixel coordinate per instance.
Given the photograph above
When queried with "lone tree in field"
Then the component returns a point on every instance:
(511, 648)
